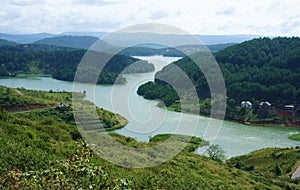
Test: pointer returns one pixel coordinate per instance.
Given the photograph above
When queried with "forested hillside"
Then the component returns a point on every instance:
(80, 42)
(259, 70)
(60, 62)
(5, 42)
(171, 51)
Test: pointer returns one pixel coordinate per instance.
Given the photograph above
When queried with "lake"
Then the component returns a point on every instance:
(146, 119)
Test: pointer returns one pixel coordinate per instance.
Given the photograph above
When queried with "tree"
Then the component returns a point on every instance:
(4, 115)
(277, 170)
(215, 152)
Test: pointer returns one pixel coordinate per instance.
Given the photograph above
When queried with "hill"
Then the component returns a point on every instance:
(225, 39)
(254, 70)
(180, 51)
(62, 62)
(43, 149)
(25, 38)
(270, 162)
(79, 42)
(6, 42)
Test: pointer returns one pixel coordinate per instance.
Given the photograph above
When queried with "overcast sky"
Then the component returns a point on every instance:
(262, 17)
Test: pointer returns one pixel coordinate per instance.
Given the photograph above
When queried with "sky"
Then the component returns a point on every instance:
(211, 17)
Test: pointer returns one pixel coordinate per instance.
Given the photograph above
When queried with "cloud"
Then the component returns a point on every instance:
(226, 11)
(212, 17)
(290, 25)
(26, 2)
(158, 14)
(93, 2)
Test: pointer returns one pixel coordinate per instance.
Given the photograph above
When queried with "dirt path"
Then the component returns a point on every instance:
(32, 108)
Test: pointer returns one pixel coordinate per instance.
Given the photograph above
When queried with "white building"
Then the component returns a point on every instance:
(265, 105)
(246, 104)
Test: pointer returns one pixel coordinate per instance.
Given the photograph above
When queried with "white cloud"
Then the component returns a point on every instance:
(226, 11)
(93, 2)
(24, 2)
(202, 17)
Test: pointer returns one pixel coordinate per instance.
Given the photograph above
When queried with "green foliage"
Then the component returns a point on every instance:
(170, 51)
(4, 115)
(215, 152)
(20, 99)
(45, 156)
(5, 43)
(152, 91)
(13, 98)
(295, 137)
(41, 150)
(278, 52)
(190, 171)
(62, 63)
(270, 162)
(257, 70)
(75, 172)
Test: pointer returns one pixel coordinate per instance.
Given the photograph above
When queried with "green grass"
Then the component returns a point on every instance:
(43, 149)
(295, 137)
(38, 145)
(18, 99)
(39, 74)
(271, 162)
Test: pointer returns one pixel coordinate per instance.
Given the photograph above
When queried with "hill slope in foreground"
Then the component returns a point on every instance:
(42, 149)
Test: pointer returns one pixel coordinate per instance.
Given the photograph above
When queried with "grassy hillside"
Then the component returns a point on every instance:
(19, 99)
(48, 154)
(43, 149)
(270, 162)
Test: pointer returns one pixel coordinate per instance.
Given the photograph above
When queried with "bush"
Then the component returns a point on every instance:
(76, 172)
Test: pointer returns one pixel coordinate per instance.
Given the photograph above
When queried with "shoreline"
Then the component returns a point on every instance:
(253, 123)
(272, 124)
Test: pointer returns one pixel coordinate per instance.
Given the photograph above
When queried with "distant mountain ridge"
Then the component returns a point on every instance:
(6, 42)
(80, 42)
(206, 39)
(180, 51)
(25, 38)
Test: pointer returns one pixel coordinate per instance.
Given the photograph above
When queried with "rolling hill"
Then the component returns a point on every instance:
(62, 63)
(258, 70)
(6, 42)
(43, 149)
(79, 42)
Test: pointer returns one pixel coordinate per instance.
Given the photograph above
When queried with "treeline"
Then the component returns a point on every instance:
(61, 63)
(262, 69)
(172, 51)
(80, 42)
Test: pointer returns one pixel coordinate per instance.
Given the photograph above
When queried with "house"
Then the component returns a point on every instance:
(289, 108)
(246, 104)
(265, 105)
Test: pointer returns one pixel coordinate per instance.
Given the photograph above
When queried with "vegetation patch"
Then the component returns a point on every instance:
(253, 71)
(295, 137)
